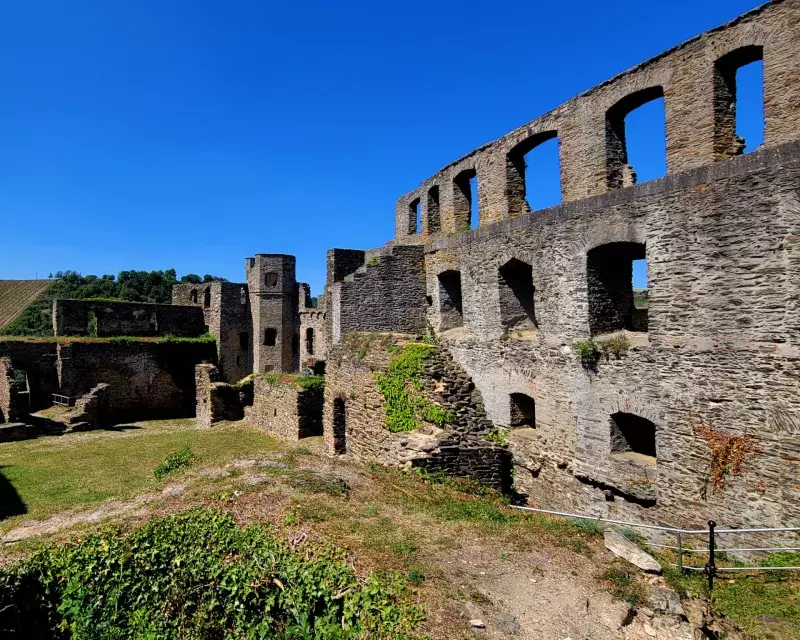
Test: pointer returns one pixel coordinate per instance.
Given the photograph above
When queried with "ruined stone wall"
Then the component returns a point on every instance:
(722, 345)
(693, 78)
(38, 359)
(285, 410)
(354, 416)
(102, 319)
(215, 400)
(147, 379)
(226, 309)
(312, 336)
(386, 293)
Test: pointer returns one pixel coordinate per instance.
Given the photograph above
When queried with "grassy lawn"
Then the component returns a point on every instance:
(52, 474)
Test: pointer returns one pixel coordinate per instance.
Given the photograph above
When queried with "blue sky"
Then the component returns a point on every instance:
(149, 134)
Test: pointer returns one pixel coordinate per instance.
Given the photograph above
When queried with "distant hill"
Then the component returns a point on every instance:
(16, 295)
(641, 298)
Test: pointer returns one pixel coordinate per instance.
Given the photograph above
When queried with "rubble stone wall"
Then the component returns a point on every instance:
(103, 319)
(285, 410)
(459, 449)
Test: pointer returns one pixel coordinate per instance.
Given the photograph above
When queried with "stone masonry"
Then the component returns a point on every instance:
(285, 410)
(512, 300)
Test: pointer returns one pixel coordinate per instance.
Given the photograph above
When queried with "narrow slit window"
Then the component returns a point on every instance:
(270, 337)
(414, 217)
(207, 298)
(434, 219)
(310, 341)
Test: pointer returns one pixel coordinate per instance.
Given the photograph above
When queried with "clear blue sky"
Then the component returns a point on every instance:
(149, 134)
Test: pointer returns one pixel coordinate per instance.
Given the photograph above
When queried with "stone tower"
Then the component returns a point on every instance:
(273, 305)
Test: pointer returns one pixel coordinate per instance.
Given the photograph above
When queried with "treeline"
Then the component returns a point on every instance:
(128, 286)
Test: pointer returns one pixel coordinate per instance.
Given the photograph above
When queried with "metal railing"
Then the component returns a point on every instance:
(64, 401)
(710, 568)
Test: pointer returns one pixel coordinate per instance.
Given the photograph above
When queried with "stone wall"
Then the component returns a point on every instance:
(38, 360)
(148, 380)
(226, 310)
(386, 293)
(721, 344)
(102, 319)
(694, 79)
(215, 400)
(91, 410)
(313, 342)
(354, 415)
(285, 410)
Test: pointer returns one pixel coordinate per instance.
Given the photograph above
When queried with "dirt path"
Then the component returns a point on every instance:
(480, 582)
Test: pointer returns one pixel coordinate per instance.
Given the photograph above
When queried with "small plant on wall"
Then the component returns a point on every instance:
(728, 453)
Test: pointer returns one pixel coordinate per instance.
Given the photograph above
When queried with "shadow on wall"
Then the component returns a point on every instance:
(10, 502)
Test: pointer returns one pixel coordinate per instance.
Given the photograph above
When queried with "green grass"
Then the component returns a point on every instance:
(748, 599)
(52, 474)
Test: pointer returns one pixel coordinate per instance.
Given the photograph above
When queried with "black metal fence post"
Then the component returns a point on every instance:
(711, 566)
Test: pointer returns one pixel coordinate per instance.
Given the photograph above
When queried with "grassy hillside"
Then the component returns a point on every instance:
(16, 295)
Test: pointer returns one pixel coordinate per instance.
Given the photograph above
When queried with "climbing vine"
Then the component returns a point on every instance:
(728, 453)
(401, 386)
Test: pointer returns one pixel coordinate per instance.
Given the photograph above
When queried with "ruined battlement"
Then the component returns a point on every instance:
(696, 80)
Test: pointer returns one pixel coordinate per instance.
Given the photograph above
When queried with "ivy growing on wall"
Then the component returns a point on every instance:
(406, 406)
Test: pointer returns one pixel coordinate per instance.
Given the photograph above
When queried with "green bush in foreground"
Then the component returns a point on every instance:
(197, 575)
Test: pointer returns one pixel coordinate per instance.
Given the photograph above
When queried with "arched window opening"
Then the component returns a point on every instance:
(339, 419)
(450, 307)
(270, 337)
(636, 140)
(516, 296)
(465, 200)
(632, 434)
(414, 217)
(739, 102)
(207, 297)
(271, 278)
(523, 411)
(533, 174)
(310, 341)
(194, 296)
(610, 287)
(434, 219)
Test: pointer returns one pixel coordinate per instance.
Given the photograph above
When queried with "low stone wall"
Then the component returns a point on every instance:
(91, 410)
(354, 415)
(103, 319)
(286, 410)
(216, 400)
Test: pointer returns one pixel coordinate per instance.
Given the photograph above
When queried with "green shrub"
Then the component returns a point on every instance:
(311, 382)
(197, 575)
(498, 436)
(616, 346)
(175, 462)
(588, 351)
(401, 387)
